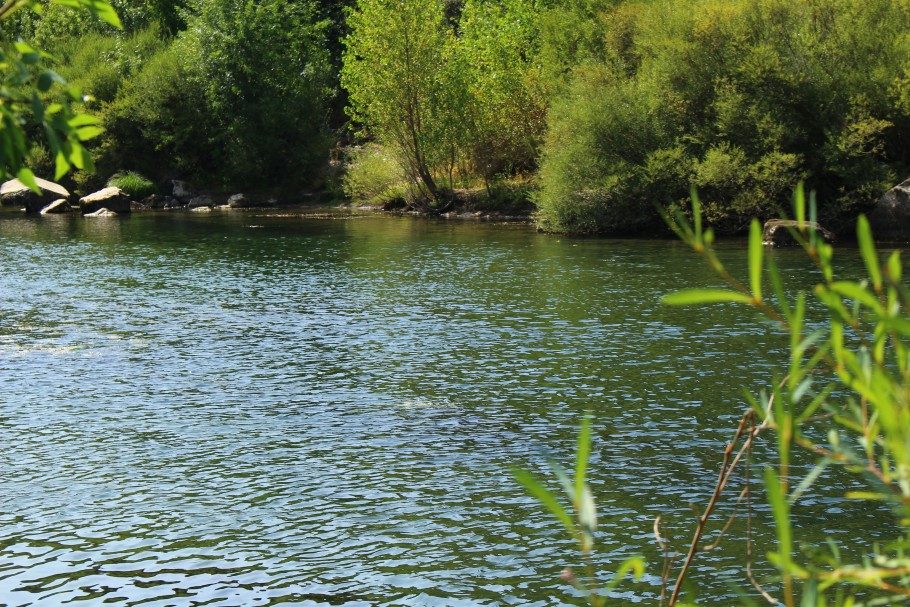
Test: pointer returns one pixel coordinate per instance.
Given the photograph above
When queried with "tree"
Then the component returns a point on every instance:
(266, 78)
(405, 84)
(499, 46)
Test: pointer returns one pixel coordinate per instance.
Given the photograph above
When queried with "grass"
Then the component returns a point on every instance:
(133, 184)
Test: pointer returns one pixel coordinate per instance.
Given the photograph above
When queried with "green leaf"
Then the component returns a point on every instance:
(895, 267)
(26, 176)
(858, 293)
(808, 481)
(781, 511)
(45, 81)
(99, 8)
(696, 213)
(756, 252)
(582, 454)
(867, 250)
(545, 497)
(635, 564)
(62, 165)
(88, 132)
(689, 297)
(799, 203)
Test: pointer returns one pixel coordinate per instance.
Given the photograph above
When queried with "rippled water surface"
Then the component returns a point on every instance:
(244, 409)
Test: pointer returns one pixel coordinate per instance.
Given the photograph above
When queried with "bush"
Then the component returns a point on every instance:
(133, 184)
(265, 76)
(158, 123)
(373, 177)
(752, 96)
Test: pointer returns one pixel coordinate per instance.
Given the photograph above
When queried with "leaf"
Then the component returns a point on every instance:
(26, 176)
(857, 292)
(88, 132)
(808, 481)
(545, 497)
(689, 297)
(62, 165)
(635, 564)
(99, 8)
(799, 203)
(756, 253)
(867, 250)
(895, 267)
(45, 81)
(781, 511)
(866, 495)
(696, 213)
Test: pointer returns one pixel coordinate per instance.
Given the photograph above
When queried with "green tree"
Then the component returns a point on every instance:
(499, 44)
(406, 85)
(266, 78)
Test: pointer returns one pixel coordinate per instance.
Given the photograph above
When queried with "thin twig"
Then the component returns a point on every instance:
(726, 471)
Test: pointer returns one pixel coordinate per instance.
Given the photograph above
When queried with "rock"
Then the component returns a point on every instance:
(239, 201)
(201, 209)
(777, 234)
(102, 213)
(112, 199)
(156, 202)
(890, 219)
(16, 193)
(57, 207)
(181, 190)
(201, 201)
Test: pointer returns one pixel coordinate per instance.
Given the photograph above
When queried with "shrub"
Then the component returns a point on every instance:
(133, 184)
(373, 176)
(264, 75)
(158, 122)
(755, 94)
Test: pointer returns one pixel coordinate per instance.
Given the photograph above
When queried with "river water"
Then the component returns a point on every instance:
(248, 409)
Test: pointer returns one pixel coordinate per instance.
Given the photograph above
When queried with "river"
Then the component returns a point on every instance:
(252, 409)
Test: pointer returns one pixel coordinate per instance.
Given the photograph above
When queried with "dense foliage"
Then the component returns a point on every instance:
(613, 108)
(740, 99)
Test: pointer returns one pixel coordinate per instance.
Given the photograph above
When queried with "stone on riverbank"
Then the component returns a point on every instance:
(16, 193)
(777, 233)
(181, 190)
(239, 201)
(157, 202)
(58, 207)
(201, 201)
(112, 199)
(890, 219)
(102, 213)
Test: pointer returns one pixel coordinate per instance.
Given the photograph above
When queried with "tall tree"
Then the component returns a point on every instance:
(403, 82)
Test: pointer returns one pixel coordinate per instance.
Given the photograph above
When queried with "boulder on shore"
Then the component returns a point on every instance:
(157, 202)
(16, 193)
(102, 213)
(890, 219)
(181, 190)
(239, 201)
(201, 201)
(57, 207)
(777, 232)
(112, 199)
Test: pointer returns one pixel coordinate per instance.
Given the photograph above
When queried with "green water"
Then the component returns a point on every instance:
(243, 409)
